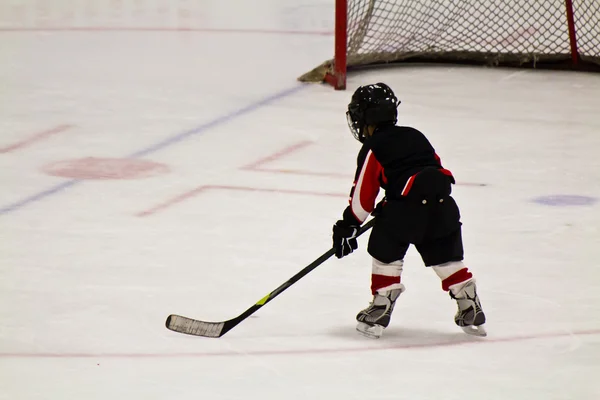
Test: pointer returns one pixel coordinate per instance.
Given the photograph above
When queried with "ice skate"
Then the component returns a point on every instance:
(470, 316)
(375, 318)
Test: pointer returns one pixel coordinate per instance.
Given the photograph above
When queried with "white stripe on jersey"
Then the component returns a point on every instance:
(355, 204)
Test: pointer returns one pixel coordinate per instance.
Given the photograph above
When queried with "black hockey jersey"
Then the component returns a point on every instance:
(390, 159)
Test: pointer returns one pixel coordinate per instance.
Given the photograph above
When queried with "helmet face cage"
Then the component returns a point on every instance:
(355, 126)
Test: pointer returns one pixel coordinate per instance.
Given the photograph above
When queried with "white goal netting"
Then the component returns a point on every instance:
(493, 32)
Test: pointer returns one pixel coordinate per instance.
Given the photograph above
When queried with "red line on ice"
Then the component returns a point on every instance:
(163, 29)
(259, 165)
(198, 190)
(302, 172)
(35, 138)
(255, 166)
(275, 156)
(308, 351)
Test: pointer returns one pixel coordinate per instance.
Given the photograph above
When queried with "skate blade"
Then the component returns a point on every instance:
(373, 332)
(475, 330)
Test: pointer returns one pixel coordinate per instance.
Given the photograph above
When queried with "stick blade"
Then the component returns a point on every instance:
(190, 326)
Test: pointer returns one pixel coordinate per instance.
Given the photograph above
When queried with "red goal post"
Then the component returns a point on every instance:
(562, 34)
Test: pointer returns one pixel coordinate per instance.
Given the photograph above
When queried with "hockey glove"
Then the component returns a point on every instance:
(344, 238)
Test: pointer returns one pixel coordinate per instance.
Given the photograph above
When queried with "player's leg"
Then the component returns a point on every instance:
(386, 285)
(445, 256)
(376, 317)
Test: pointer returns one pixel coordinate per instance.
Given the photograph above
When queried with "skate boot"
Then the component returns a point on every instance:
(470, 316)
(375, 318)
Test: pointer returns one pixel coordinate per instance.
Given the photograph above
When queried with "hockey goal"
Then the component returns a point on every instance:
(521, 33)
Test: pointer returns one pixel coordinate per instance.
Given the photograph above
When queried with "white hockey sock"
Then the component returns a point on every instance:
(454, 275)
(385, 277)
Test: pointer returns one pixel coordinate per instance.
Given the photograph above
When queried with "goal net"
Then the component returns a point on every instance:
(532, 33)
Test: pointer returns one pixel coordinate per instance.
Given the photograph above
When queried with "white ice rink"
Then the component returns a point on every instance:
(244, 171)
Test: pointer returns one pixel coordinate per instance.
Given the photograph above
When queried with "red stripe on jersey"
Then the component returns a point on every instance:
(443, 170)
(366, 188)
(457, 277)
(446, 172)
(383, 177)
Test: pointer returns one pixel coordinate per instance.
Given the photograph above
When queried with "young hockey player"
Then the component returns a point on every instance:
(417, 209)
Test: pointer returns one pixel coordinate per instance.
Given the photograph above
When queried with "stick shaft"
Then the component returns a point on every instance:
(183, 324)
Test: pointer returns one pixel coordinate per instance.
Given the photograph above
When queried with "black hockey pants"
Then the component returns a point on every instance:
(427, 216)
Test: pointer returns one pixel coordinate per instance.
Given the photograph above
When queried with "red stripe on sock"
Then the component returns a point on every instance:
(381, 281)
(457, 277)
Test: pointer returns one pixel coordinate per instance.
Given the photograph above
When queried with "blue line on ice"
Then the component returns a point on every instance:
(199, 130)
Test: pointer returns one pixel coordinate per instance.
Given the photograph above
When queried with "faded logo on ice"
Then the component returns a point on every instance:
(565, 200)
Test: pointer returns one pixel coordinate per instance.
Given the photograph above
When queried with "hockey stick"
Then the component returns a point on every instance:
(195, 327)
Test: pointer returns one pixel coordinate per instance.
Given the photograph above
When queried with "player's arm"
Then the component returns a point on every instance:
(365, 189)
(362, 202)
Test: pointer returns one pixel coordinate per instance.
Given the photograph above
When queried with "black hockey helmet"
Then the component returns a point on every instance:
(371, 105)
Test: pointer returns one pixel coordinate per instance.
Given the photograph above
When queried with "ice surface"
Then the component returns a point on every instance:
(260, 168)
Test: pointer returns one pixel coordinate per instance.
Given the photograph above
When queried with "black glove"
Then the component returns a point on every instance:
(344, 238)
